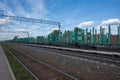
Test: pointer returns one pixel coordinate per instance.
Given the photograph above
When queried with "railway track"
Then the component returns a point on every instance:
(77, 66)
(96, 57)
(42, 70)
(34, 76)
(107, 53)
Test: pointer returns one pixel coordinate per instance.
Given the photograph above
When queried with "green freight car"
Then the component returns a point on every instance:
(51, 38)
(31, 40)
(88, 37)
(40, 39)
(66, 38)
(103, 36)
(26, 40)
(78, 36)
(73, 38)
(55, 37)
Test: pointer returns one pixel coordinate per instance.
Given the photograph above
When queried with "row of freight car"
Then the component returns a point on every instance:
(77, 36)
(80, 36)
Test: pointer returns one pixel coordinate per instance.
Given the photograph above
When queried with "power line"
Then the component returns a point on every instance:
(30, 20)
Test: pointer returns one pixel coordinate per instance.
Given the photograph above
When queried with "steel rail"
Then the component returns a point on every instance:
(79, 50)
(34, 76)
(55, 69)
(80, 55)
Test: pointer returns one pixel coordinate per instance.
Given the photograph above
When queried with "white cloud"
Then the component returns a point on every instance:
(7, 10)
(55, 29)
(87, 23)
(5, 21)
(20, 29)
(113, 24)
(47, 28)
(34, 27)
(68, 21)
(37, 9)
(111, 21)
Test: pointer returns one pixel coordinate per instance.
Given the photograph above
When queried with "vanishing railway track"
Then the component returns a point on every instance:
(77, 64)
(96, 57)
(42, 70)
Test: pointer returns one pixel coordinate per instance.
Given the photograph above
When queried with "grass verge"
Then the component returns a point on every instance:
(19, 72)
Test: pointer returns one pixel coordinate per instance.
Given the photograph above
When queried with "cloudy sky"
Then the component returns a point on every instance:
(70, 13)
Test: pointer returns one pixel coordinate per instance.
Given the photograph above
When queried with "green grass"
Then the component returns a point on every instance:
(19, 72)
